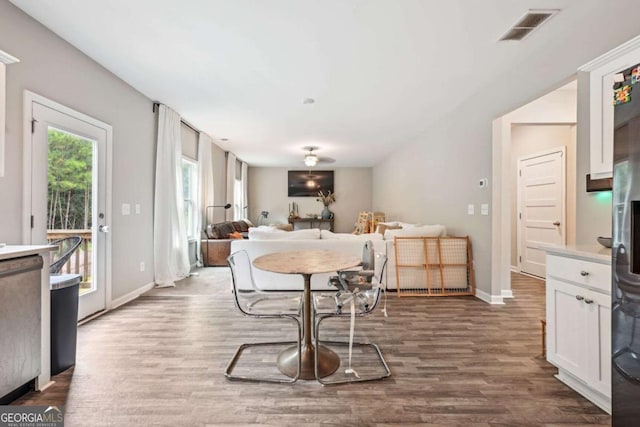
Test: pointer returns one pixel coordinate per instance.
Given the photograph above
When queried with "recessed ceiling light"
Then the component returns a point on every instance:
(308, 101)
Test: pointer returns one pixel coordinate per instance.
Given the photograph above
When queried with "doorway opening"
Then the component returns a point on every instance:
(546, 123)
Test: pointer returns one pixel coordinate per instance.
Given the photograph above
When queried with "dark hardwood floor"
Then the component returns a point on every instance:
(455, 361)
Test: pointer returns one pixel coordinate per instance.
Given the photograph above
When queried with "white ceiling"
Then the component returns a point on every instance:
(380, 70)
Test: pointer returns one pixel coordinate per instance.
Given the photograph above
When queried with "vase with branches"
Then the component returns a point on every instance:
(326, 199)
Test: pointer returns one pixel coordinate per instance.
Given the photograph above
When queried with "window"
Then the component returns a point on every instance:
(190, 191)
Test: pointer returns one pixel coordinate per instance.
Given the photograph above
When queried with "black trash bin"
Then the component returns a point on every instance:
(64, 320)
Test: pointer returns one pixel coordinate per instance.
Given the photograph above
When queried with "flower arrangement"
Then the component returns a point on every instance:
(326, 199)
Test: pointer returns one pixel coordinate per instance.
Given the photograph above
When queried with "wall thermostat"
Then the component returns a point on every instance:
(482, 183)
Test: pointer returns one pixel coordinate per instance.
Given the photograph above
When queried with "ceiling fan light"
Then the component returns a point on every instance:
(310, 159)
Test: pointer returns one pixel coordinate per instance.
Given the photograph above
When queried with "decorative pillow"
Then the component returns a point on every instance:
(236, 226)
(383, 227)
(257, 234)
(284, 227)
(248, 222)
(222, 230)
(408, 224)
(265, 228)
(418, 231)
(235, 235)
(328, 235)
(244, 227)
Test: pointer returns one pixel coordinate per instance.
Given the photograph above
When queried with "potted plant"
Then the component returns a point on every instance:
(326, 200)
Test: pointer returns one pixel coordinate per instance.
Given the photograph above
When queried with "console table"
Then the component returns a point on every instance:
(300, 223)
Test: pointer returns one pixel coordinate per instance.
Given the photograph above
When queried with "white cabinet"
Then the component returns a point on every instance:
(597, 76)
(579, 324)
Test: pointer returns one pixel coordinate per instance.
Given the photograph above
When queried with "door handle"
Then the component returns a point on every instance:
(588, 301)
(579, 297)
(104, 229)
(584, 273)
(556, 223)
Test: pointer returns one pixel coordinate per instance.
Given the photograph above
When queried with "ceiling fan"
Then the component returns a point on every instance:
(311, 159)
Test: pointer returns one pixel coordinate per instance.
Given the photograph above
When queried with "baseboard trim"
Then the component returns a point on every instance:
(532, 276)
(515, 269)
(507, 293)
(130, 296)
(491, 299)
(597, 398)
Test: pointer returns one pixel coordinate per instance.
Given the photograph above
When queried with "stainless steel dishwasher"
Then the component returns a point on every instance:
(20, 296)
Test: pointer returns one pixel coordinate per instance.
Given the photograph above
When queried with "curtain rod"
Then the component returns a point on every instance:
(183, 121)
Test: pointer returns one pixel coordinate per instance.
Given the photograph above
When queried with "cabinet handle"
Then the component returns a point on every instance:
(584, 273)
(588, 301)
(579, 297)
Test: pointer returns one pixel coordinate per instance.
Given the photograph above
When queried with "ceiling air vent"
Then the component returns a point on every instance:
(529, 22)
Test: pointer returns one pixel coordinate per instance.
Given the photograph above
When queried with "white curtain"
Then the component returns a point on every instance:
(205, 178)
(245, 191)
(170, 245)
(231, 182)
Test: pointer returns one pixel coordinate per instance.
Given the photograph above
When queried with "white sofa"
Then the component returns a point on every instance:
(264, 240)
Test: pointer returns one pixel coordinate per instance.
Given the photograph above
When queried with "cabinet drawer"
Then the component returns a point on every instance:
(592, 274)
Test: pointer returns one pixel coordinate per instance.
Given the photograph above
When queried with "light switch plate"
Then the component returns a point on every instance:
(126, 209)
(484, 209)
(471, 210)
(137, 208)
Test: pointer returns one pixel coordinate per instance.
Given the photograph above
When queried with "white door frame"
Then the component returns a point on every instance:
(27, 114)
(563, 215)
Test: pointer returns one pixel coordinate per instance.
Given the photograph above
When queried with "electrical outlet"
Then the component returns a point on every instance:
(126, 209)
(141, 266)
(471, 210)
(137, 208)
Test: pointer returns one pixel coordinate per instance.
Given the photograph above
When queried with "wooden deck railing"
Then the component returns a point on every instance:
(80, 261)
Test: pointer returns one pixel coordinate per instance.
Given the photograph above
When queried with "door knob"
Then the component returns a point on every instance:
(584, 273)
(556, 223)
(104, 229)
(579, 297)
(588, 301)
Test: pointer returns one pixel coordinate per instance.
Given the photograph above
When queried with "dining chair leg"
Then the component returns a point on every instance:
(376, 349)
(236, 356)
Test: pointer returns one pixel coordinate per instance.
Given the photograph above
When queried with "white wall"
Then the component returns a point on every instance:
(268, 192)
(531, 139)
(51, 67)
(433, 177)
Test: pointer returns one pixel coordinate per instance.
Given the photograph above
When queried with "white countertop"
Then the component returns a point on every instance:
(15, 251)
(596, 253)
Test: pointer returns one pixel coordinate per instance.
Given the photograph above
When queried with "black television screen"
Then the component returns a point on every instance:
(308, 183)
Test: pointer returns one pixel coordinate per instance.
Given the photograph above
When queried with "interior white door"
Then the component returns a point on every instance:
(47, 120)
(541, 207)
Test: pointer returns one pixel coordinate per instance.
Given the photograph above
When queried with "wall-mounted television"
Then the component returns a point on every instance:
(308, 183)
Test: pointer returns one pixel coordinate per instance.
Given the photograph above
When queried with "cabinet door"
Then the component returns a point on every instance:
(567, 332)
(599, 328)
